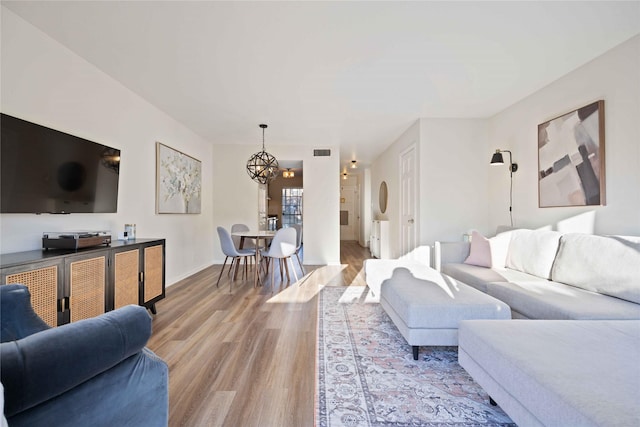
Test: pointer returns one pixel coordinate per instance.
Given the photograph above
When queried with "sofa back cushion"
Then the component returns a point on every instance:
(608, 265)
(533, 251)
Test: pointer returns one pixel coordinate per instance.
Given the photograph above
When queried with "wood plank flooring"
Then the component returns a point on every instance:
(245, 358)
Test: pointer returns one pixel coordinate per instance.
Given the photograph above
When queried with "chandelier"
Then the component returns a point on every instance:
(288, 173)
(262, 167)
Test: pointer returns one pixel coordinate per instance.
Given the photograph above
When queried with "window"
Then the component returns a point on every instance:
(291, 206)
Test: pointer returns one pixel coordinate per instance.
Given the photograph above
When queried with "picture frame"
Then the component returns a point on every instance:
(571, 158)
(178, 182)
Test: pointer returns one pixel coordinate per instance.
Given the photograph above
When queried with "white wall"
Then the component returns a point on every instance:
(46, 83)
(236, 196)
(454, 166)
(614, 77)
(459, 191)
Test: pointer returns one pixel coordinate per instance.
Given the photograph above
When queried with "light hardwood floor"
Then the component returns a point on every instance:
(245, 358)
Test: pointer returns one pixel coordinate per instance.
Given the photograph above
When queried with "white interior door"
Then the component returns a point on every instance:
(408, 199)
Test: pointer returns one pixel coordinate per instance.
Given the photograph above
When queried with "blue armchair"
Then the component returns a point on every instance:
(94, 372)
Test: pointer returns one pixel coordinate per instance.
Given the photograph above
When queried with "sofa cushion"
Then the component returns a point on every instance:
(499, 245)
(83, 349)
(19, 320)
(608, 265)
(533, 251)
(478, 277)
(551, 300)
(135, 392)
(560, 373)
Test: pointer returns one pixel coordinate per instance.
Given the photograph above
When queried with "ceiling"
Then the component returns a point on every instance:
(349, 74)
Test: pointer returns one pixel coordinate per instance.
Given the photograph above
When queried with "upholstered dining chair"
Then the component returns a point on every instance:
(283, 246)
(298, 228)
(229, 249)
(248, 243)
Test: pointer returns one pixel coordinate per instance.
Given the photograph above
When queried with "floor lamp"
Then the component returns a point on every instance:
(497, 159)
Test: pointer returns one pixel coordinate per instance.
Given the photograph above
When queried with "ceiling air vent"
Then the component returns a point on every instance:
(322, 152)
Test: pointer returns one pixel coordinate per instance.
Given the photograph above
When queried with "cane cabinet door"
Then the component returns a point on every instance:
(86, 277)
(153, 273)
(126, 273)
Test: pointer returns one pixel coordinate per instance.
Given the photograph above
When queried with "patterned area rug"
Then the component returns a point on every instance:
(367, 375)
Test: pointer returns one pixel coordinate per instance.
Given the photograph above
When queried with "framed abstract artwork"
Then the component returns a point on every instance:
(178, 182)
(571, 166)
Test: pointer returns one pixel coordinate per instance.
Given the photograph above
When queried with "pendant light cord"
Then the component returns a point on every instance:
(263, 126)
(511, 195)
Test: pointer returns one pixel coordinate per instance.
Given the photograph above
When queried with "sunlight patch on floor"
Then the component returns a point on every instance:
(315, 280)
(298, 292)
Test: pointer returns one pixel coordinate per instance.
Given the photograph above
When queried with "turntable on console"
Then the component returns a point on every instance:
(75, 240)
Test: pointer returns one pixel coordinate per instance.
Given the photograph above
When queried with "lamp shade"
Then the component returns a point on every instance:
(497, 159)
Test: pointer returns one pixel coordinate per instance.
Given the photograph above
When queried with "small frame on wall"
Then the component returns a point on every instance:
(571, 164)
(178, 181)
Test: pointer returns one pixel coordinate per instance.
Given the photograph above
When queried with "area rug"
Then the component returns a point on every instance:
(366, 375)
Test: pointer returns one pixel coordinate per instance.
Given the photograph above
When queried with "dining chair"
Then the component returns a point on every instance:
(298, 228)
(229, 249)
(237, 241)
(283, 246)
(248, 243)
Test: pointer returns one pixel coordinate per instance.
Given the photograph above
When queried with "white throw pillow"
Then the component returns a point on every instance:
(499, 249)
(533, 251)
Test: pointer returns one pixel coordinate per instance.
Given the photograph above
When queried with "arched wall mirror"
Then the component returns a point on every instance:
(382, 197)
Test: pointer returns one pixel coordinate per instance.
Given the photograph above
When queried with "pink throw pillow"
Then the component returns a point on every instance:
(480, 251)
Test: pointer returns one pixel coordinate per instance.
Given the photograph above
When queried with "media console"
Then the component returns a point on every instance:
(67, 285)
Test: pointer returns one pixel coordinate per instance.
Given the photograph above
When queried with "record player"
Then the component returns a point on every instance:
(75, 239)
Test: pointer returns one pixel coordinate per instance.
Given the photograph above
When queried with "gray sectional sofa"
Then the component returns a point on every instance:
(562, 373)
(578, 366)
(549, 275)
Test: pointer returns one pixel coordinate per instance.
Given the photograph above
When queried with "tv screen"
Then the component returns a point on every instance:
(47, 171)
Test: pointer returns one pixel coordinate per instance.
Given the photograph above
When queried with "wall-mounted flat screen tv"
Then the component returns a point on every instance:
(47, 171)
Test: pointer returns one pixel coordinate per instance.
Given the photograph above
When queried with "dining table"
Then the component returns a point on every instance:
(257, 235)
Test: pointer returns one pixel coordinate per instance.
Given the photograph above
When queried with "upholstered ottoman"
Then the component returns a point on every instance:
(427, 310)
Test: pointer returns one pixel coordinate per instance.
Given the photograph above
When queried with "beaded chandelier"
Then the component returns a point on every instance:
(262, 167)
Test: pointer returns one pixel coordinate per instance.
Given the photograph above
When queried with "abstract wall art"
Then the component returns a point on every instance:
(179, 181)
(571, 167)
